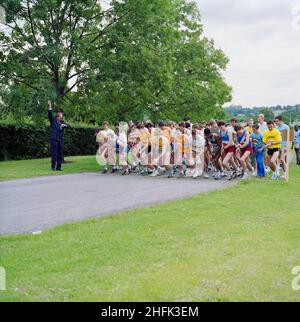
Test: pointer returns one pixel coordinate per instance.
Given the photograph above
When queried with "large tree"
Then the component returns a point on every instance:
(168, 69)
(127, 59)
(49, 42)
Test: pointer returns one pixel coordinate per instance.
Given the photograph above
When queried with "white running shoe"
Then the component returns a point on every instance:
(218, 176)
(155, 173)
(245, 176)
(144, 171)
(206, 176)
(197, 174)
(229, 176)
(267, 170)
(284, 177)
(223, 174)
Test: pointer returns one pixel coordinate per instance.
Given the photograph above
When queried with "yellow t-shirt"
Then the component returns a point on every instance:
(249, 129)
(273, 136)
(164, 134)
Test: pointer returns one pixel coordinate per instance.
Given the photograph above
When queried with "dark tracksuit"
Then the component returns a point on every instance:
(56, 142)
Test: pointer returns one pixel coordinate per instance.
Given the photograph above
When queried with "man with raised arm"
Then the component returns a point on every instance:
(56, 138)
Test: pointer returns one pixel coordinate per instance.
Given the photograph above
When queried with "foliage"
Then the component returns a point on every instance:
(29, 141)
(291, 114)
(129, 60)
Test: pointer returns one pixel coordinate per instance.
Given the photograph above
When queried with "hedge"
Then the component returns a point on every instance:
(18, 142)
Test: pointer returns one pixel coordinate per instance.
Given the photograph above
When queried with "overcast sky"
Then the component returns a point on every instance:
(262, 40)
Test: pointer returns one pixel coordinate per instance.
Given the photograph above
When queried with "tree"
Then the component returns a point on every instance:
(50, 42)
(130, 60)
(162, 67)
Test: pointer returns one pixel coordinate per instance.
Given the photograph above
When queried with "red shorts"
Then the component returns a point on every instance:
(231, 149)
(247, 149)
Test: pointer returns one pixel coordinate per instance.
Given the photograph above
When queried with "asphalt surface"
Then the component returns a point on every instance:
(31, 205)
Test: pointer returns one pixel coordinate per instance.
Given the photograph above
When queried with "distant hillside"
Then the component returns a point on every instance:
(291, 113)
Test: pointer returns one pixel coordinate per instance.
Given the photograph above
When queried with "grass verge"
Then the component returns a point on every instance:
(239, 244)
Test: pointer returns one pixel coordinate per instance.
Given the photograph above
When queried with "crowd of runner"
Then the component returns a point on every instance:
(212, 149)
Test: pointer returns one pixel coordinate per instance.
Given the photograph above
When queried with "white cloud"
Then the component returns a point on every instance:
(263, 45)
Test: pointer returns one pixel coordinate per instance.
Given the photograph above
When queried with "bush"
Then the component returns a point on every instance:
(19, 142)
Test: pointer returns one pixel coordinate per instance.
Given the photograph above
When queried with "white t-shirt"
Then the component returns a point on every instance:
(230, 130)
(105, 135)
(263, 128)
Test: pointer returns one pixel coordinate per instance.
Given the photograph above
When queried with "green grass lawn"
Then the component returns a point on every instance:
(239, 244)
(10, 170)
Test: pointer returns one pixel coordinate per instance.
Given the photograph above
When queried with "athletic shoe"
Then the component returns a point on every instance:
(223, 174)
(213, 175)
(245, 176)
(234, 175)
(155, 173)
(197, 174)
(267, 170)
(229, 176)
(181, 174)
(218, 176)
(275, 176)
(114, 170)
(206, 175)
(127, 172)
(105, 171)
(144, 172)
(284, 177)
(239, 174)
(135, 169)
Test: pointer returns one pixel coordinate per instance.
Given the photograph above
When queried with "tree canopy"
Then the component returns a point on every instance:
(126, 59)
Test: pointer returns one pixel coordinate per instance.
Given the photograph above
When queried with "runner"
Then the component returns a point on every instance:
(121, 149)
(244, 150)
(259, 151)
(214, 147)
(228, 149)
(272, 141)
(263, 127)
(196, 159)
(106, 140)
(143, 146)
(296, 144)
(161, 150)
(284, 131)
(133, 148)
(181, 149)
(249, 126)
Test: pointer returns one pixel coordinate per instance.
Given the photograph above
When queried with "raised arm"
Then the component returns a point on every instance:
(50, 115)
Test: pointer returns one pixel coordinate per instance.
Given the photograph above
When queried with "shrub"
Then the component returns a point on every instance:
(24, 141)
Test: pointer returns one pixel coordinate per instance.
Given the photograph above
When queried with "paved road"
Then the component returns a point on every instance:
(30, 205)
